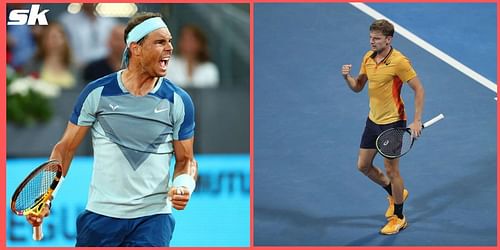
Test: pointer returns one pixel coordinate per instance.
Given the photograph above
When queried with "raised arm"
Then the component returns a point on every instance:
(356, 84)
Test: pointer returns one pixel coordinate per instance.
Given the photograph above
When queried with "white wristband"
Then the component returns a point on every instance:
(57, 187)
(185, 180)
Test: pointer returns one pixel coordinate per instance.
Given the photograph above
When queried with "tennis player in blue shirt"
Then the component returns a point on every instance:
(138, 120)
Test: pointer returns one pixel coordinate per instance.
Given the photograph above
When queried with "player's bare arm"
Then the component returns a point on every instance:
(418, 88)
(184, 164)
(63, 152)
(355, 84)
(65, 149)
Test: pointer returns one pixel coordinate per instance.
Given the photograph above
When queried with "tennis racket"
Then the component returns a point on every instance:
(396, 142)
(35, 191)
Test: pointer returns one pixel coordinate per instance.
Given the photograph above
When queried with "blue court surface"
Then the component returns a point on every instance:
(218, 214)
(308, 125)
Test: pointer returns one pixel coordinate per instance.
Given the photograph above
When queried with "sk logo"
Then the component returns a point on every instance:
(30, 17)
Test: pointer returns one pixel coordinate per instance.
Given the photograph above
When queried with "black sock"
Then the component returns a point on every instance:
(398, 210)
(388, 189)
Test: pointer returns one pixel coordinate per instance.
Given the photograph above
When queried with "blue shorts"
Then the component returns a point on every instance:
(373, 130)
(94, 230)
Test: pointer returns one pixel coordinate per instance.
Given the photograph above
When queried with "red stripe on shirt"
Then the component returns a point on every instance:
(397, 84)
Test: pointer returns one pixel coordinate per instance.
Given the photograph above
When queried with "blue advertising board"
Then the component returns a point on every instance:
(218, 213)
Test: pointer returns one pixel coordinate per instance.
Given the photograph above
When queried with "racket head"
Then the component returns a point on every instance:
(394, 142)
(36, 189)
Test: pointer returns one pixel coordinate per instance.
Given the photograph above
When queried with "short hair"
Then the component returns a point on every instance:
(136, 20)
(384, 26)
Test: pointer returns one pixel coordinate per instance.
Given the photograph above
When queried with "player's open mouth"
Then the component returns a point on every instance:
(164, 63)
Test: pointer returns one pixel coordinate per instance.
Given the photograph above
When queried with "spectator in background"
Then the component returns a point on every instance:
(52, 61)
(88, 33)
(191, 66)
(113, 61)
(21, 44)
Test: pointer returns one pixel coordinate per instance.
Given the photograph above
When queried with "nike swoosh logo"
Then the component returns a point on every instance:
(160, 110)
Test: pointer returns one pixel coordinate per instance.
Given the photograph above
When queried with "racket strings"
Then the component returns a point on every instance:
(394, 142)
(36, 187)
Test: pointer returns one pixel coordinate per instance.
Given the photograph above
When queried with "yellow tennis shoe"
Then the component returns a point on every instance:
(390, 209)
(394, 225)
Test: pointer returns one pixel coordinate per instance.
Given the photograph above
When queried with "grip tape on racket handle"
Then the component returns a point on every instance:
(433, 120)
(37, 232)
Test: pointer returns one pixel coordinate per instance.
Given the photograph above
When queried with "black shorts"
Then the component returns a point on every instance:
(373, 130)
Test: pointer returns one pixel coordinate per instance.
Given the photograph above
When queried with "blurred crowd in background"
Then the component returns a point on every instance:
(83, 42)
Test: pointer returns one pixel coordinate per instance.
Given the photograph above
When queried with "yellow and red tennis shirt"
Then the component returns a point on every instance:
(385, 81)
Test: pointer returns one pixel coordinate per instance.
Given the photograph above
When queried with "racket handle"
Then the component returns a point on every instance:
(37, 232)
(433, 120)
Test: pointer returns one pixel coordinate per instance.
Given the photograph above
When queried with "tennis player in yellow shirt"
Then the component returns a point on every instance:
(386, 69)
